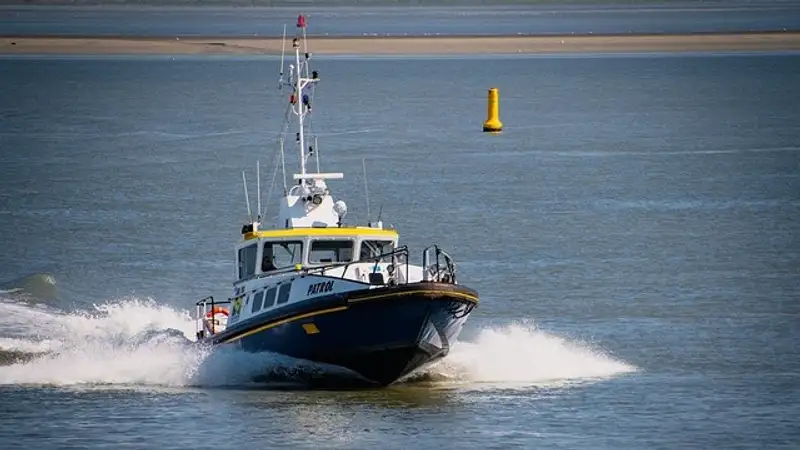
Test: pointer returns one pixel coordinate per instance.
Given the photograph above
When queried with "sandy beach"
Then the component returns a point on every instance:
(778, 41)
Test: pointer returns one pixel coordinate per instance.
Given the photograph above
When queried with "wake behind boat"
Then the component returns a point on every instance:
(322, 290)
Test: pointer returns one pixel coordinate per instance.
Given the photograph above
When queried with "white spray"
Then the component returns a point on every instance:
(140, 342)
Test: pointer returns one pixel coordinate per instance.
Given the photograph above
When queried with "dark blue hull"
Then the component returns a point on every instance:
(381, 334)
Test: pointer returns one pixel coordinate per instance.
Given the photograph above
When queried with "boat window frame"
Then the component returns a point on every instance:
(258, 299)
(351, 239)
(241, 266)
(298, 258)
(364, 241)
(284, 294)
(272, 294)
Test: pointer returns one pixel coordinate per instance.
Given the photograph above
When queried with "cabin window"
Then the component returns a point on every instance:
(269, 299)
(247, 261)
(331, 251)
(257, 299)
(372, 249)
(281, 254)
(283, 293)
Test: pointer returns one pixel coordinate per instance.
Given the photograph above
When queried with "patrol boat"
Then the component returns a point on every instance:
(319, 289)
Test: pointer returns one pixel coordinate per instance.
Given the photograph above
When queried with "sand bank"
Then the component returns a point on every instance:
(778, 41)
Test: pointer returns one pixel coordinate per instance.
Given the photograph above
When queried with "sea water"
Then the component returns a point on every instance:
(632, 235)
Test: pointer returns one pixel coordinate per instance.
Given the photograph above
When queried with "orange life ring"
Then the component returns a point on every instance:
(216, 310)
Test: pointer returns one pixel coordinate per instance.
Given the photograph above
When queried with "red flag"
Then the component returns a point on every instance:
(301, 21)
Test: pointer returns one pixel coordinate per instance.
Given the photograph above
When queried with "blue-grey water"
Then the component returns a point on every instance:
(633, 234)
(620, 18)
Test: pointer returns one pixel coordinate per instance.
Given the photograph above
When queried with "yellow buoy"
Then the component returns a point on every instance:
(493, 123)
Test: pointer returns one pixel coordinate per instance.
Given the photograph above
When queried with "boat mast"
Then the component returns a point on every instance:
(300, 101)
(300, 84)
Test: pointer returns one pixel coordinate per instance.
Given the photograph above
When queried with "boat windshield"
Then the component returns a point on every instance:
(372, 249)
(281, 254)
(330, 251)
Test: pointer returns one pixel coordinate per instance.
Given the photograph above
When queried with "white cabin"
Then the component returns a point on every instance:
(267, 252)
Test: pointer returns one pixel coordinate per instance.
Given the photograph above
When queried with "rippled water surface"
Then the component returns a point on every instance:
(633, 234)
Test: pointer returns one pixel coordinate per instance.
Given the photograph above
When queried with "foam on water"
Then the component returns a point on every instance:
(520, 354)
(29, 346)
(130, 342)
(140, 342)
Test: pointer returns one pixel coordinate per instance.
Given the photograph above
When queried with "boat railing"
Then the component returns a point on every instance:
(440, 267)
(203, 307)
(437, 266)
(395, 258)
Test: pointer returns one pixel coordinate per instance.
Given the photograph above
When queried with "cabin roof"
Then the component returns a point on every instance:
(322, 231)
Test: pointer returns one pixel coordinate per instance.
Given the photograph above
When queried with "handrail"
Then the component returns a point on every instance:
(213, 302)
(307, 270)
(442, 270)
(201, 309)
(402, 250)
(435, 271)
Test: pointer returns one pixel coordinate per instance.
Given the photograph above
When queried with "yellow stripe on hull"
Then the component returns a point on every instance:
(468, 297)
(462, 295)
(287, 320)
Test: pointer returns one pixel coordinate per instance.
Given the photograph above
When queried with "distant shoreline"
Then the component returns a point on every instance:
(708, 42)
(306, 5)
